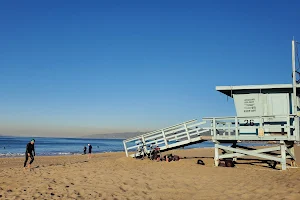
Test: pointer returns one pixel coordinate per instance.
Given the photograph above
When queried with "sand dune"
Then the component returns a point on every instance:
(113, 176)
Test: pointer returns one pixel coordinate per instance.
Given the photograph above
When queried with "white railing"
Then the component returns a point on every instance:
(169, 137)
(253, 128)
(218, 128)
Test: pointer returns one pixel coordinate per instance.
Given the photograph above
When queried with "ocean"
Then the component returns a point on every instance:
(47, 146)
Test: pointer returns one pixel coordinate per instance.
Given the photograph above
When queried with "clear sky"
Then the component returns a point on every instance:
(71, 68)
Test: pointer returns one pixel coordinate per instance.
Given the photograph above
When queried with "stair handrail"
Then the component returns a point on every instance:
(159, 130)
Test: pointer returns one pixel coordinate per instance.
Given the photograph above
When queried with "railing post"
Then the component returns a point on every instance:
(216, 158)
(187, 132)
(261, 122)
(211, 129)
(296, 124)
(165, 139)
(288, 123)
(236, 128)
(144, 143)
(125, 148)
(214, 127)
(229, 131)
(261, 130)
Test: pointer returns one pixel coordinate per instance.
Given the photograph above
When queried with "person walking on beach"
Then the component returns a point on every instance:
(84, 150)
(30, 152)
(90, 151)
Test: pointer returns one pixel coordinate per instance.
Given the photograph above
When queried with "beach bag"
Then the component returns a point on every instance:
(229, 163)
(170, 157)
(167, 157)
(175, 158)
(153, 155)
(200, 162)
(158, 158)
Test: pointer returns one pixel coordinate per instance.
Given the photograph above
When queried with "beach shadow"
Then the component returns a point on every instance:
(257, 162)
(196, 157)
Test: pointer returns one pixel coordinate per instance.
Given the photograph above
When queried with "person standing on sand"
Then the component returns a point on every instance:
(90, 151)
(84, 150)
(30, 152)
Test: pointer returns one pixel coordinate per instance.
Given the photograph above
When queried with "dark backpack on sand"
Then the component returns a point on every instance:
(200, 162)
(229, 163)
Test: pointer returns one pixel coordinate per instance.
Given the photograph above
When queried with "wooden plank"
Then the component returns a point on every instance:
(283, 155)
(248, 152)
(231, 155)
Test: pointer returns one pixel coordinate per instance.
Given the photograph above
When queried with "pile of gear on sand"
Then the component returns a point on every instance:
(155, 155)
(167, 158)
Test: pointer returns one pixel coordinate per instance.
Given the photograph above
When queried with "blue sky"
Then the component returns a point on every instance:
(71, 68)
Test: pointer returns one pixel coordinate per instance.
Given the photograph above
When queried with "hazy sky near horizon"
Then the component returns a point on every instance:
(71, 68)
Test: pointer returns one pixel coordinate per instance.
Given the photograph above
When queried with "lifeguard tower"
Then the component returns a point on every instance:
(264, 113)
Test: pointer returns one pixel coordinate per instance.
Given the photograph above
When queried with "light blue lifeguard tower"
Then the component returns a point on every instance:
(263, 113)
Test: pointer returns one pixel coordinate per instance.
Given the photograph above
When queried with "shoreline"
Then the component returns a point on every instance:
(62, 154)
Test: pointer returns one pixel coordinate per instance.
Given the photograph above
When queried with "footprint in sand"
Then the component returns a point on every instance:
(147, 186)
(122, 189)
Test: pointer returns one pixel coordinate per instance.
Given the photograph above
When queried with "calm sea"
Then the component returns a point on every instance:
(16, 146)
(45, 146)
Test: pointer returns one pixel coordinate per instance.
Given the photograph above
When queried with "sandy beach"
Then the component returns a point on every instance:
(114, 176)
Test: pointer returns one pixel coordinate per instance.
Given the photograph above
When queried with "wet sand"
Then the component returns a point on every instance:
(114, 176)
